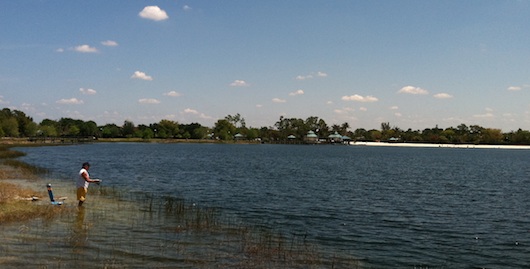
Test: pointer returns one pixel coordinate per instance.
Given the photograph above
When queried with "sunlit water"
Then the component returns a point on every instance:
(384, 207)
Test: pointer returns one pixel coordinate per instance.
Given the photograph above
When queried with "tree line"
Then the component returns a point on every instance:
(15, 123)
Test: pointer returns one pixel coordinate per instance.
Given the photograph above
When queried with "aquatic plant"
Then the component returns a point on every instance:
(6, 152)
(24, 168)
(17, 169)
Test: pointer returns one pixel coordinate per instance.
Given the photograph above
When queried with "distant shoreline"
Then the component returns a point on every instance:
(436, 145)
(14, 142)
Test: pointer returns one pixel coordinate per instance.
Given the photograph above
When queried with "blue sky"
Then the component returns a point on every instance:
(415, 64)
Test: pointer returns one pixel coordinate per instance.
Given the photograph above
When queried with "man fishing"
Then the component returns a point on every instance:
(82, 183)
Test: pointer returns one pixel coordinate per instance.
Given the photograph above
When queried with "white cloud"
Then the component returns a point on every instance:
(85, 49)
(59, 50)
(394, 107)
(412, 90)
(239, 83)
(141, 75)
(329, 102)
(153, 13)
(443, 95)
(278, 100)
(87, 91)
(359, 98)
(484, 116)
(298, 92)
(300, 77)
(186, 8)
(172, 94)
(343, 111)
(71, 101)
(149, 101)
(195, 112)
(397, 114)
(109, 43)
(514, 88)
(259, 106)
(312, 75)
(363, 109)
(2, 101)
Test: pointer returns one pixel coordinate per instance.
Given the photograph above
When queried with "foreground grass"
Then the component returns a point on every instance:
(15, 201)
(15, 205)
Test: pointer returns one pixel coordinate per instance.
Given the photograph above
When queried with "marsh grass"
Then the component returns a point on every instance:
(189, 216)
(238, 245)
(12, 168)
(14, 206)
(5, 153)
(24, 168)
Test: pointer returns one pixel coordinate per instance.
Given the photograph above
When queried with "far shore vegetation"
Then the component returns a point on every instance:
(16, 124)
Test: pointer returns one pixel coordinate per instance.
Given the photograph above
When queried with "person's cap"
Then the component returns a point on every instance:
(86, 164)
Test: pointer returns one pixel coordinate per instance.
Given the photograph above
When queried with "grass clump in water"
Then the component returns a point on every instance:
(190, 216)
(6, 153)
(13, 168)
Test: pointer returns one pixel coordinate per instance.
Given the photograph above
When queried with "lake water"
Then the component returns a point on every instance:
(385, 207)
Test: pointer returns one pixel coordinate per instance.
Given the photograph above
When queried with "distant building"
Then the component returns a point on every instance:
(311, 138)
(335, 138)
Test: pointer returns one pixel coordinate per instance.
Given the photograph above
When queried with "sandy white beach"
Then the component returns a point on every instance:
(434, 145)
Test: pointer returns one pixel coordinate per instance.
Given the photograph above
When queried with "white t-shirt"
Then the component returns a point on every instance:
(81, 182)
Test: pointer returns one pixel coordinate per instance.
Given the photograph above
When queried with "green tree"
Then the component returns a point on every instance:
(411, 136)
(475, 134)
(450, 134)
(26, 126)
(143, 131)
(167, 129)
(111, 130)
(492, 136)
(374, 135)
(224, 129)
(519, 137)
(47, 131)
(236, 120)
(128, 128)
(359, 134)
(69, 126)
(9, 127)
(73, 130)
(48, 128)
(89, 128)
(344, 127)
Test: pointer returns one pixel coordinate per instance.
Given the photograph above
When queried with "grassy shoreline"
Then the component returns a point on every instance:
(20, 197)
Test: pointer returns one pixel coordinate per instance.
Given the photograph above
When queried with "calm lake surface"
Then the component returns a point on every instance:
(388, 207)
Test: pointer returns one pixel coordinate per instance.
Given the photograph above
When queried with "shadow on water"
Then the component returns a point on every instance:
(138, 230)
